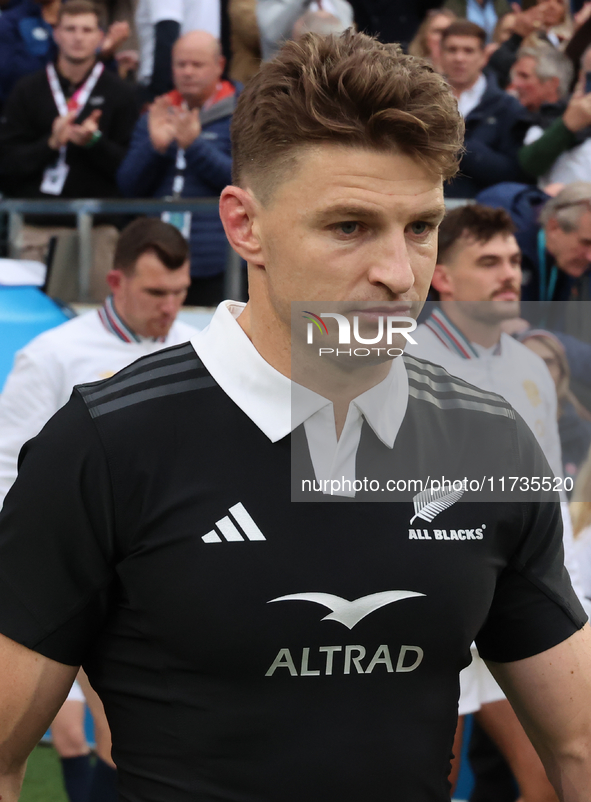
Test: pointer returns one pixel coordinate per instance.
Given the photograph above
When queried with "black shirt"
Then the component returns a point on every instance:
(151, 536)
(26, 127)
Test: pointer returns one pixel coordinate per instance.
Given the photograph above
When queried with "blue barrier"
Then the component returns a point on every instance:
(25, 312)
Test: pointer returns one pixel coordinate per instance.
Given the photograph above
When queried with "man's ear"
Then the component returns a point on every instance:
(441, 281)
(114, 278)
(238, 212)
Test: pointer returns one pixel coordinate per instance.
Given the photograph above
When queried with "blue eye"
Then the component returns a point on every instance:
(348, 227)
(419, 228)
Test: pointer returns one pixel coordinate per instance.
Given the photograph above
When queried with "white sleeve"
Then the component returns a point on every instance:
(550, 442)
(576, 560)
(27, 402)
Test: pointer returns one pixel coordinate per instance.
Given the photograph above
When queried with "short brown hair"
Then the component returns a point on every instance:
(464, 27)
(74, 8)
(150, 235)
(349, 89)
(474, 221)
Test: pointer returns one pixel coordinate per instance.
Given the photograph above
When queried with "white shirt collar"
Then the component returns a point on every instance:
(265, 395)
(469, 99)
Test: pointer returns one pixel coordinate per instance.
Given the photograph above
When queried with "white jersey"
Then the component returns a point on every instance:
(192, 15)
(522, 378)
(45, 371)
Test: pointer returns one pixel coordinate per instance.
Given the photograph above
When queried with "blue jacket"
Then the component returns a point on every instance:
(26, 44)
(494, 133)
(145, 173)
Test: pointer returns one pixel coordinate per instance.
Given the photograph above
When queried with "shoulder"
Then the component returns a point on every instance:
(112, 83)
(35, 82)
(434, 385)
(181, 332)
(68, 332)
(170, 372)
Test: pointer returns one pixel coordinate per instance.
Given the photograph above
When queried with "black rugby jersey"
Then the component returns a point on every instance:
(250, 648)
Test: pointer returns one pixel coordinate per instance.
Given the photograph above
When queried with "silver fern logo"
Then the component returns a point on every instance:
(429, 503)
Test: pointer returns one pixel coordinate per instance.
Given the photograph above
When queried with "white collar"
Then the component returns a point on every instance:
(470, 98)
(265, 395)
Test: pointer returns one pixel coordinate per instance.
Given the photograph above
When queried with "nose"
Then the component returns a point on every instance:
(392, 267)
(170, 304)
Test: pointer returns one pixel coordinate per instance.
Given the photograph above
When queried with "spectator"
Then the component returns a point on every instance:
(181, 148)
(65, 130)
(558, 148)
(522, 24)
(159, 23)
(277, 18)
(554, 235)
(427, 42)
(495, 121)
(541, 77)
(574, 422)
(484, 13)
(27, 45)
(26, 41)
(557, 24)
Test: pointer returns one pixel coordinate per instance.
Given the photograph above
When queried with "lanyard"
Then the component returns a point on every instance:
(80, 96)
(76, 102)
(546, 292)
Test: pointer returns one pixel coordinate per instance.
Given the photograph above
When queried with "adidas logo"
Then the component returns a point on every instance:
(230, 531)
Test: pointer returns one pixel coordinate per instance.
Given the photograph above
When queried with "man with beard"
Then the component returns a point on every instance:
(478, 280)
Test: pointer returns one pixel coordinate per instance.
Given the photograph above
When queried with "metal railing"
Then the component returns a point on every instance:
(86, 208)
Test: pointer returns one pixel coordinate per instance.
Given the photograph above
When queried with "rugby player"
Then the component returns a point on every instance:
(247, 647)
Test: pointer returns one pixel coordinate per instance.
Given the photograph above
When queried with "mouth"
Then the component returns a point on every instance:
(506, 295)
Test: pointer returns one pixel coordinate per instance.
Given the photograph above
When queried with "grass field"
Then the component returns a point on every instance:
(43, 780)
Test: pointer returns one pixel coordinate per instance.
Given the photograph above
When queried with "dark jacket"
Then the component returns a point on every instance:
(145, 173)
(26, 128)
(494, 133)
(26, 44)
(391, 20)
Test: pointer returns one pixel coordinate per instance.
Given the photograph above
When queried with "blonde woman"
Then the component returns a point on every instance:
(427, 41)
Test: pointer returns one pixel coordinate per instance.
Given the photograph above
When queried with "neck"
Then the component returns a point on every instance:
(74, 71)
(49, 11)
(458, 90)
(339, 382)
(484, 333)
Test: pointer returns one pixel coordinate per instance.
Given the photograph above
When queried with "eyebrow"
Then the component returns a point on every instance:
(435, 214)
(513, 257)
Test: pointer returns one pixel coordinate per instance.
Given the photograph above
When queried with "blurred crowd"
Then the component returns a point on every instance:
(134, 99)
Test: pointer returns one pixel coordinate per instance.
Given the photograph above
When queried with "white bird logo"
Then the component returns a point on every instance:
(347, 612)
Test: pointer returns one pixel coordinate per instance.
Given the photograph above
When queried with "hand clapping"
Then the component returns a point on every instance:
(65, 130)
(167, 124)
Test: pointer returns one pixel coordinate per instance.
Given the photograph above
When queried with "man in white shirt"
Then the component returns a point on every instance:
(495, 122)
(202, 580)
(148, 284)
